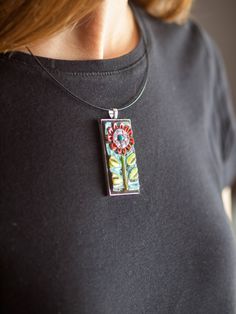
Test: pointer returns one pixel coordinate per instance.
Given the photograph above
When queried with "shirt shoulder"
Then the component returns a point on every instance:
(181, 47)
(170, 33)
(188, 53)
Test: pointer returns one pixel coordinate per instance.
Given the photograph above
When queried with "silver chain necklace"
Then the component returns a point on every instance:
(119, 155)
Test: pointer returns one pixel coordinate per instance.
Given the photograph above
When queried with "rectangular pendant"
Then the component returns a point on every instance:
(120, 162)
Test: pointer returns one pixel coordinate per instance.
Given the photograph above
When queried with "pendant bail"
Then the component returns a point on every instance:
(113, 113)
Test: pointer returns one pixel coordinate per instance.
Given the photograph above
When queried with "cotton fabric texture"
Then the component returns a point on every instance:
(65, 246)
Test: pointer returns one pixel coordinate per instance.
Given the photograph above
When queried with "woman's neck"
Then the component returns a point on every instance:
(110, 31)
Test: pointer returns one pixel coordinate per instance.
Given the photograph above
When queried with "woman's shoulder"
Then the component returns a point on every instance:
(184, 48)
(189, 38)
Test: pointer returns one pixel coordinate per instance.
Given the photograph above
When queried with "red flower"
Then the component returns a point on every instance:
(120, 138)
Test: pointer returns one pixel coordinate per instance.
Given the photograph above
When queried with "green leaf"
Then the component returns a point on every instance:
(131, 159)
(117, 179)
(114, 162)
(133, 175)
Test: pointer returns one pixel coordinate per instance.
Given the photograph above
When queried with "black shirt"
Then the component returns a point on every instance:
(65, 246)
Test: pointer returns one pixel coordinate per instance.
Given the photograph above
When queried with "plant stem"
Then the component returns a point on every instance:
(124, 172)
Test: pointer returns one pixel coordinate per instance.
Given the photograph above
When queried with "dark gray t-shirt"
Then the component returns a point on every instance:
(66, 247)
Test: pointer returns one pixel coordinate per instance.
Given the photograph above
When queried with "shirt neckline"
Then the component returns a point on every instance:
(92, 65)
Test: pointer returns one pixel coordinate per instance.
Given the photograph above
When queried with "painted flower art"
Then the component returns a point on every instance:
(120, 138)
(121, 156)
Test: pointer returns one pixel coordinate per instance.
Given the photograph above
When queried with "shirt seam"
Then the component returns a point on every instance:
(205, 43)
(79, 73)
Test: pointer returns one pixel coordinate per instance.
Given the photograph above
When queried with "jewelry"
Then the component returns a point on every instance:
(119, 155)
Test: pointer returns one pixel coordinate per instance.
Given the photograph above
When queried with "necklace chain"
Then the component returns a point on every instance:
(113, 111)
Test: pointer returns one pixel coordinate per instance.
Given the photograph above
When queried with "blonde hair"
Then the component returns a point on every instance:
(26, 21)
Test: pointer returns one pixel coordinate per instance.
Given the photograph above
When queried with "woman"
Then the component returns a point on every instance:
(164, 244)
